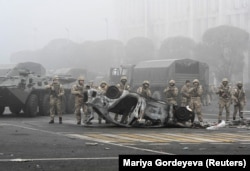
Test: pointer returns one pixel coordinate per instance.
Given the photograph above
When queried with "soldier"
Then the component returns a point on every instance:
(225, 95)
(144, 90)
(195, 101)
(91, 90)
(56, 97)
(239, 99)
(123, 85)
(102, 90)
(185, 96)
(171, 93)
(78, 90)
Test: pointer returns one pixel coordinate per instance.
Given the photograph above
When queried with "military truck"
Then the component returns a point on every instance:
(160, 72)
(23, 89)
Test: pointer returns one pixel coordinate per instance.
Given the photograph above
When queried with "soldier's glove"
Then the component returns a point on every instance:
(52, 88)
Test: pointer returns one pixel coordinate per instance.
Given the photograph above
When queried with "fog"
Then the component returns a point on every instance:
(31, 24)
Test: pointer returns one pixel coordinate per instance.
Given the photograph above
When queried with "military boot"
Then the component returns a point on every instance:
(60, 120)
(51, 121)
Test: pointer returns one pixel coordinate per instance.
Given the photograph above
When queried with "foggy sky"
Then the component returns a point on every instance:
(31, 24)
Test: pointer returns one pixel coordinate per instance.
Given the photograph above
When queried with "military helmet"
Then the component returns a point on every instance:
(239, 83)
(124, 77)
(55, 78)
(171, 82)
(196, 81)
(145, 82)
(224, 80)
(80, 78)
(103, 82)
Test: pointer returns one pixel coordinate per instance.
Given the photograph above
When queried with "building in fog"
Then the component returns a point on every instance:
(159, 19)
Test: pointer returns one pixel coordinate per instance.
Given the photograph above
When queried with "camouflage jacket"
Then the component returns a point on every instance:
(56, 90)
(185, 91)
(144, 92)
(122, 87)
(171, 92)
(238, 95)
(78, 90)
(196, 91)
(224, 92)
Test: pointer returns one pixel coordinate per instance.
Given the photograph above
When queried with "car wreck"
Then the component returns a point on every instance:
(136, 111)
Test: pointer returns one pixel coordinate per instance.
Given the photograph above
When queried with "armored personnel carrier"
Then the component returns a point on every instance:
(23, 89)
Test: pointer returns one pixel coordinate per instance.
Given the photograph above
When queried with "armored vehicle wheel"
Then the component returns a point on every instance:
(44, 107)
(15, 109)
(31, 105)
(2, 108)
(70, 103)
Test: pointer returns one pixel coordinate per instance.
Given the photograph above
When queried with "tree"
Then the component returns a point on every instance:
(107, 53)
(223, 48)
(178, 47)
(138, 49)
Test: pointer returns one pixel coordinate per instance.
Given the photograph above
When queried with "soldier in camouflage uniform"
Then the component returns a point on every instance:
(239, 99)
(144, 90)
(102, 90)
(78, 90)
(225, 99)
(195, 102)
(56, 97)
(123, 85)
(185, 96)
(171, 93)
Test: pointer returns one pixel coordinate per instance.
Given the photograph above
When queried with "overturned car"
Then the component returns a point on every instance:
(133, 110)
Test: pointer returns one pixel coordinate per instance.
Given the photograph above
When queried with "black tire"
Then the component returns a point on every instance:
(113, 92)
(15, 109)
(182, 114)
(70, 103)
(31, 106)
(2, 108)
(157, 95)
(44, 107)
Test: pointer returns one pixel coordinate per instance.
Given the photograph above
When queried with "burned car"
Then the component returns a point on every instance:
(136, 111)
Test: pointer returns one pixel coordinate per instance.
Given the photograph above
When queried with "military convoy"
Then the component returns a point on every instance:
(160, 72)
(23, 89)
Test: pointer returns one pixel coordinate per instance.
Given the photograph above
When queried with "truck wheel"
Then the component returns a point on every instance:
(45, 106)
(31, 105)
(70, 103)
(15, 109)
(2, 108)
(156, 95)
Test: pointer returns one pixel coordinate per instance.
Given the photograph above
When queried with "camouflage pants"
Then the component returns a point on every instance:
(79, 104)
(171, 102)
(195, 105)
(224, 103)
(238, 108)
(55, 106)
